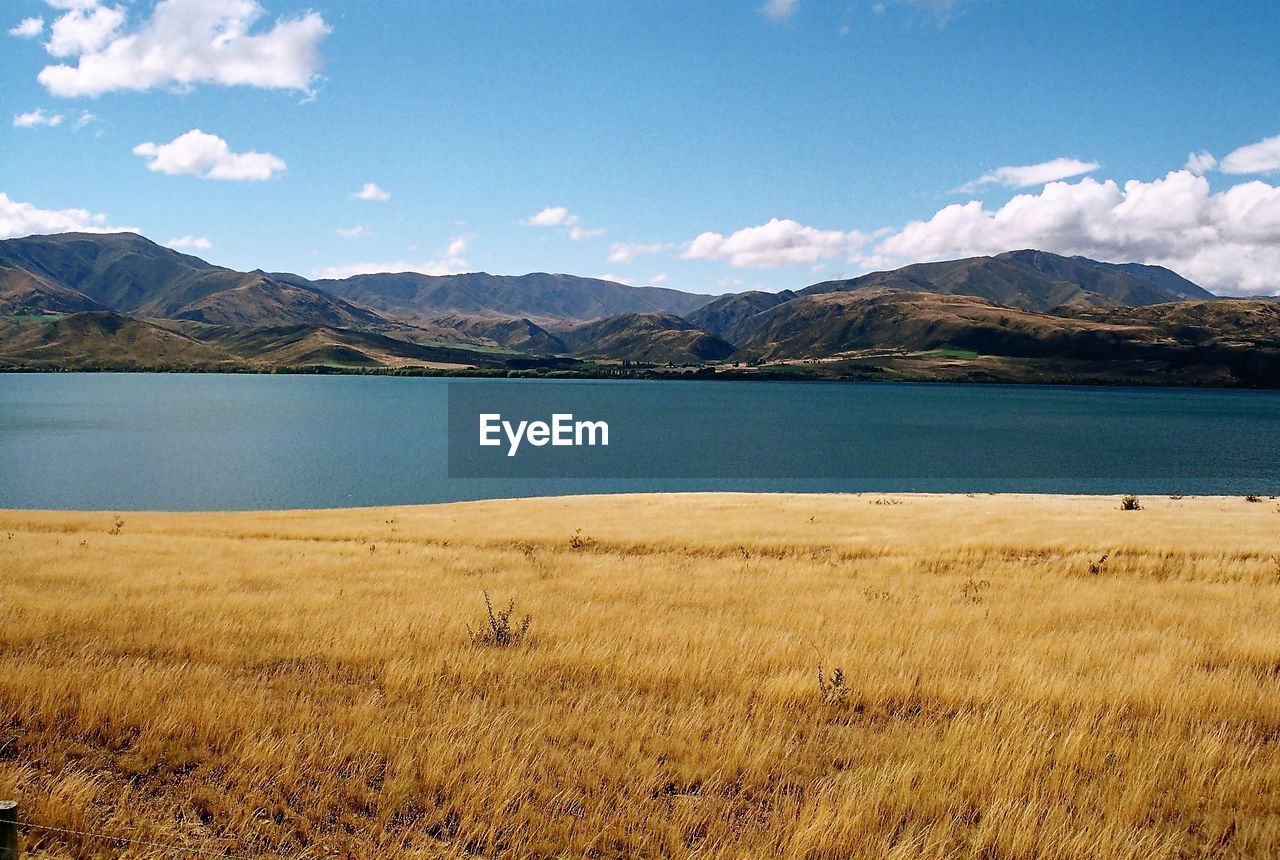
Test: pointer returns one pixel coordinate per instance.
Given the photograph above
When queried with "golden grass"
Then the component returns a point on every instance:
(301, 684)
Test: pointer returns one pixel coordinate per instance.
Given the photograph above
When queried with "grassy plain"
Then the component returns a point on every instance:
(302, 684)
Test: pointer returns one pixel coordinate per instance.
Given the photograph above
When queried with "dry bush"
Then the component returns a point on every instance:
(498, 630)
(1130, 503)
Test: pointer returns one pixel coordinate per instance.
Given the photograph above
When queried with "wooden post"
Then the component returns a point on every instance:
(8, 830)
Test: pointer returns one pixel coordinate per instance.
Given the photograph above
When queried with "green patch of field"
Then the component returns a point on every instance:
(50, 317)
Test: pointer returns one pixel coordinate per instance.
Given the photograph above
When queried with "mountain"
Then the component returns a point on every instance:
(310, 345)
(107, 340)
(1031, 280)
(1223, 342)
(645, 337)
(726, 316)
(827, 324)
(519, 335)
(23, 292)
(538, 297)
(128, 274)
(102, 339)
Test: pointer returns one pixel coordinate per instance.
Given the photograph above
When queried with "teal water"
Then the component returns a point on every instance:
(196, 442)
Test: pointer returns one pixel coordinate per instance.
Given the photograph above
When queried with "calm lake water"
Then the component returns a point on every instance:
(195, 442)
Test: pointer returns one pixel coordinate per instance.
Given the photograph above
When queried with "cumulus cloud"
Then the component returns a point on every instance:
(1024, 175)
(560, 216)
(1260, 157)
(450, 262)
(780, 242)
(209, 157)
(617, 279)
(84, 30)
(780, 10)
(371, 191)
(183, 43)
(36, 118)
(352, 232)
(85, 119)
(660, 279)
(28, 28)
(1228, 241)
(625, 252)
(196, 242)
(24, 219)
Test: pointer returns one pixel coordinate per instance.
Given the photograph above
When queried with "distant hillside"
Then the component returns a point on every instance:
(103, 339)
(727, 316)
(520, 335)
(1253, 322)
(539, 297)
(832, 323)
(648, 337)
(306, 345)
(1233, 341)
(1031, 280)
(128, 274)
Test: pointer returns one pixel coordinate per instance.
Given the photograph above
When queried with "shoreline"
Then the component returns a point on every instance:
(748, 495)
(679, 373)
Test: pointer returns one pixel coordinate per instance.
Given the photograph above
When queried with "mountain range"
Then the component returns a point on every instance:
(103, 301)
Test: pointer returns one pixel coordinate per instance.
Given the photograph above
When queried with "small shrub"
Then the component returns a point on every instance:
(1175, 496)
(1252, 498)
(975, 590)
(1130, 503)
(498, 630)
(835, 689)
(581, 541)
(1096, 567)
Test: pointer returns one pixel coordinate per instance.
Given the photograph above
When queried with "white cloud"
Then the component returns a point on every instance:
(625, 252)
(560, 216)
(1201, 162)
(449, 263)
(578, 233)
(85, 119)
(184, 43)
(23, 219)
(37, 117)
(660, 279)
(1228, 241)
(780, 10)
(84, 30)
(196, 242)
(28, 28)
(778, 243)
(617, 279)
(1022, 176)
(1260, 157)
(552, 216)
(209, 157)
(371, 191)
(352, 232)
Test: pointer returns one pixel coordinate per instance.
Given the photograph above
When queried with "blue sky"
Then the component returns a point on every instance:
(708, 146)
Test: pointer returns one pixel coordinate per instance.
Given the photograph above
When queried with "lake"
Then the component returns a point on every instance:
(222, 442)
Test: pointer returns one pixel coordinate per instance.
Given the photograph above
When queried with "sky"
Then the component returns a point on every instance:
(706, 146)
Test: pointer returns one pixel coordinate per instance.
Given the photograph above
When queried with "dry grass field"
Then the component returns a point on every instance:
(303, 684)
